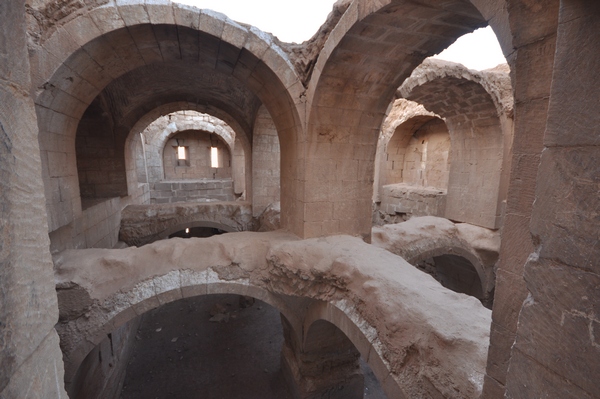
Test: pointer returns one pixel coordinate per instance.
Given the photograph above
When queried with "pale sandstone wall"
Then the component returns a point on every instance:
(98, 225)
(426, 161)
(557, 346)
(159, 138)
(166, 127)
(30, 359)
(473, 104)
(532, 63)
(398, 117)
(170, 192)
(400, 201)
(198, 165)
(265, 163)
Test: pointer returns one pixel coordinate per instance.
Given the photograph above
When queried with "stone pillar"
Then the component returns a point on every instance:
(327, 367)
(30, 358)
(266, 166)
(533, 25)
(557, 348)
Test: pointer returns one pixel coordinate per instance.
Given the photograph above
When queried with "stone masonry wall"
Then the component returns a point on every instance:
(30, 358)
(421, 158)
(472, 104)
(99, 223)
(401, 201)
(557, 348)
(198, 165)
(191, 191)
(102, 373)
(265, 162)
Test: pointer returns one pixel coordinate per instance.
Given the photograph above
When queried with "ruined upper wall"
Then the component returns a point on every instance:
(304, 56)
(45, 16)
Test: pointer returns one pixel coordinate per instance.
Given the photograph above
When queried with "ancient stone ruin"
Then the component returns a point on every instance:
(190, 206)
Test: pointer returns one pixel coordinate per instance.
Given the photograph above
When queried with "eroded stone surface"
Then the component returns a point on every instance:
(424, 331)
(142, 224)
(425, 237)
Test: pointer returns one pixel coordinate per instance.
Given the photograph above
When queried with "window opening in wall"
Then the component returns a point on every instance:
(181, 153)
(214, 157)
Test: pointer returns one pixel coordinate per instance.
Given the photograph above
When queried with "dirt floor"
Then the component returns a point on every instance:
(212, 347)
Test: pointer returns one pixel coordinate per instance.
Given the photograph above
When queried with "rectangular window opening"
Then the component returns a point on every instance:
(214, 157)
(181, 153)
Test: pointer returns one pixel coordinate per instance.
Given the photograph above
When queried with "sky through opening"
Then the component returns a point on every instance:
(297, 21)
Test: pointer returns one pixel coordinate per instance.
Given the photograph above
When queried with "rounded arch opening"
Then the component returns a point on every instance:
(344, 318)
(418, 152)
(97, 330)
(477, 108)
(181, 230)
(197, 232)
(458, 274)
(95, 59)
(189, 346)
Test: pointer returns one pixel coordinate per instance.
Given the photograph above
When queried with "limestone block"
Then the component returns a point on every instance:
(132, 12)
(160, 11)
(566, 201)
(529, 378)
(234, 34)
(212, 22)
(553, 321)
(107, 18)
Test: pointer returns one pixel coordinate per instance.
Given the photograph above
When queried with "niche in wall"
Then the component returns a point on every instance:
(418, 153)
(100, 154)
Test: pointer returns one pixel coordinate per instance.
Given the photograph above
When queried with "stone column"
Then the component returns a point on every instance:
(30, 358)
(557, 348)
(533, 26)
(326, 367)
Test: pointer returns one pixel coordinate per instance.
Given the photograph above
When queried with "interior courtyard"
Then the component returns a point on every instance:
(193, 208)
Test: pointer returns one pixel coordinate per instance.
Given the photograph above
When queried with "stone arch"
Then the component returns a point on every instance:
(326, 363)
(412, 168)
(221, 226)
(458, 274)
(397, 148)
(370, 286)
(148, 297)
(240, 148)
(477, 108)
(399, 112)
(370, 52)
(78, 59)
(423, 238)
(361, 334)
(141, 225)
(436, 249)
